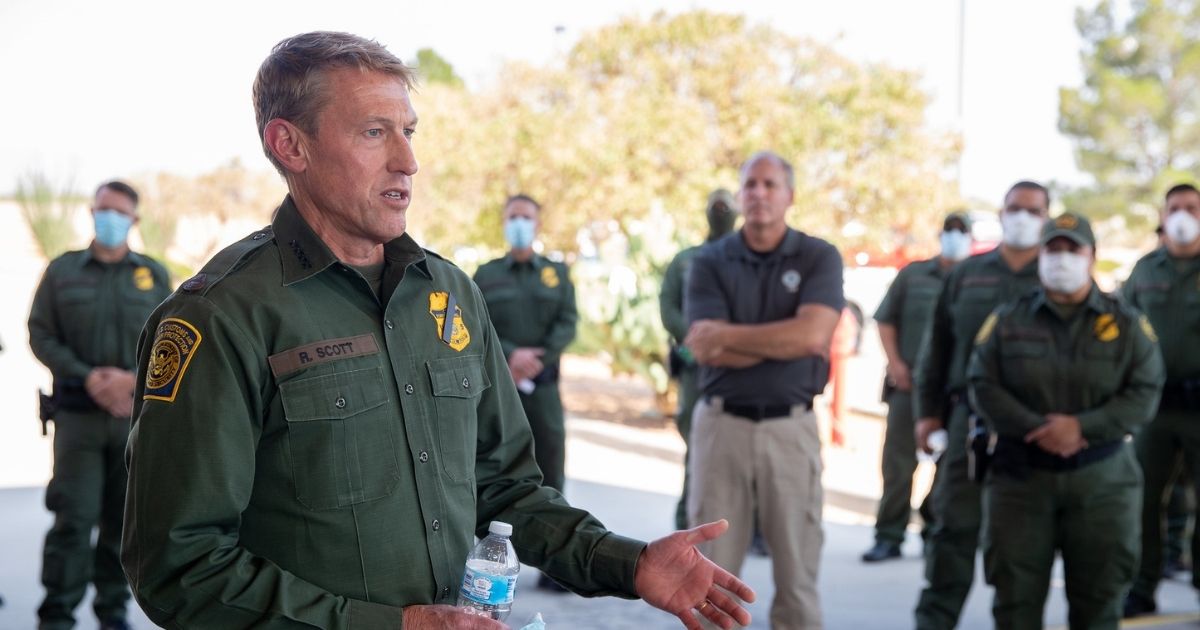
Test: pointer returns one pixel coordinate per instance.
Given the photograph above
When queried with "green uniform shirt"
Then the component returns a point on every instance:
(670, 296)
(88, 313)
(1167, 290)
(532, 304)
(1100, 363)
(972, 289)
(908, 303)
(305, 456)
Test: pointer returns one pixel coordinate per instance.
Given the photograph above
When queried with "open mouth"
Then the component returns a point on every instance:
(396, 195)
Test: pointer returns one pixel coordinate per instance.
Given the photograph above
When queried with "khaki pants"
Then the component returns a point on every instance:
(770, 469)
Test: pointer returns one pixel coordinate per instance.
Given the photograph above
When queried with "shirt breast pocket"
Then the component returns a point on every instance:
(456, 384)
(1024, 362)
(340, 438)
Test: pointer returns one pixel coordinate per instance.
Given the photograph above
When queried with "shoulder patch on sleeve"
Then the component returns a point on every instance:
(175, 342)
(985, 330)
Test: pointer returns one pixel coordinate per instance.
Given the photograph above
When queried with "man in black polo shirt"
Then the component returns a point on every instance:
(763, 303)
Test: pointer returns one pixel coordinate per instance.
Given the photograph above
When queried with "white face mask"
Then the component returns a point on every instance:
(1182, 227)
(955, 245)
(1063, 272)
(1021, 229)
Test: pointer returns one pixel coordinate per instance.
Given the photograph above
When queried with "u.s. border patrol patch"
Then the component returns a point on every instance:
(550, 277)
(175, 342)
(1106, 328)
(143, 279)
(457, 336)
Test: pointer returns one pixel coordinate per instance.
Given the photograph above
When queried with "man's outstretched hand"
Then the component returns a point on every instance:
(674, 576)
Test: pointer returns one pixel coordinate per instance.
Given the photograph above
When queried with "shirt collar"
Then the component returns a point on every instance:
(537, 261)
(1094, 300)
(789, 246)
(131, 258)
(304, 254)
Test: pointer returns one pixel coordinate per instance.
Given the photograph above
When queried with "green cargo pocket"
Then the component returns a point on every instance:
(457, 384)
(340, 438)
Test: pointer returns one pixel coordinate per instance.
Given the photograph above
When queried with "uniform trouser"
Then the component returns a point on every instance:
(1180, 509)
(1158, 445)
(689, 393)
(899, 464)
(771, 470)
(86, 491)
(950, 553)
(545, 412)
(1090, 515)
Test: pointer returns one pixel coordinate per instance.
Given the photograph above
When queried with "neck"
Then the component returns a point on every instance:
(1017, 259)
(1070, 298)
(1187, 250)
(945, 263)
(109, 254)
(764, 238)
(352, 250)
(522, 254)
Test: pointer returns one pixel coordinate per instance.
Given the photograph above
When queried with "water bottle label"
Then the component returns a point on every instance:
(485, 588)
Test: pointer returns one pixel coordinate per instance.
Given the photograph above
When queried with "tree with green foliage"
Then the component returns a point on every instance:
(650, 115)
(1135, 121)
(49, 211)
(435, 69)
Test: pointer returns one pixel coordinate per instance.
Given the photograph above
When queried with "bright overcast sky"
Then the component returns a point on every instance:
(119, 87)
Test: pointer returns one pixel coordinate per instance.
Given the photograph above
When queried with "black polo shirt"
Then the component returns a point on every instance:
(730, 282)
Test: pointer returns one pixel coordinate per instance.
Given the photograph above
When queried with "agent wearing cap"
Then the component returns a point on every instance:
(902, 317)
(1062, 377)
(721, 213)
(1165, 285)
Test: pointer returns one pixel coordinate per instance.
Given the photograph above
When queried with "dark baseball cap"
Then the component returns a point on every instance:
(1069, 225)
(958, 215)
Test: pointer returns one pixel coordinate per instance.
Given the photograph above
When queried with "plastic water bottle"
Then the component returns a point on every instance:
(490, 579)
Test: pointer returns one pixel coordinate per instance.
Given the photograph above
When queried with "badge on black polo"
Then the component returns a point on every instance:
(791, 280)
(175, 341)
(456, 334)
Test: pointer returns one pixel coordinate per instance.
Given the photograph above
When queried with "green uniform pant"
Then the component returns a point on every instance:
(87, 490)
(1158, 445)
(950, 554)
(545, 412)
(689, 393)
(899, 464)
(1180, 509)
(1090, 515)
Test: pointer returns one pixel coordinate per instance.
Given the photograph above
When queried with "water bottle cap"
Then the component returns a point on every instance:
(500, 529)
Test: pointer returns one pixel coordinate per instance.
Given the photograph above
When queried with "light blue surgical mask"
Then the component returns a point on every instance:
(955, 245)
(518, 231)
(112, 227)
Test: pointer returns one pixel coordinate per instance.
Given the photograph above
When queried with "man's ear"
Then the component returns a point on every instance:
(288, 144)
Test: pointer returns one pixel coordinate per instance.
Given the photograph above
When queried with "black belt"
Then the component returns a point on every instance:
(758, 413)
(1037, 458)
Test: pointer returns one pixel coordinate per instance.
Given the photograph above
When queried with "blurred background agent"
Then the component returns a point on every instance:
(762, 305)
(532, 305)
(1165, 285)
(87, 314)
(973, 289)
(902, 317)
(1062, 377)
(721, 213)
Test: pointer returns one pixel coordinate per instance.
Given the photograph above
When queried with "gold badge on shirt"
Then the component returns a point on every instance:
(143, 279)
(550, 277)
(985, 331)
(175, 342)
(458, 336)
(1106, 328)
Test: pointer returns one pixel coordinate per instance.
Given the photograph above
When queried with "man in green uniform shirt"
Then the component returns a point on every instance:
(324, 414)
(1165, 285)
(532, 304)
(902, 317)
(1062, 377)
(721, 213)
(975, 287)
(87, 314)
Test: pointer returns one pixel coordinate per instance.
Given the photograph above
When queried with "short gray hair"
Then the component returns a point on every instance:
(290, 82)
(788, 172)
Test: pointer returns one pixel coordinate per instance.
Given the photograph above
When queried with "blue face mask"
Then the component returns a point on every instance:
(518, 231)
(955, 245)
(112, 227)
